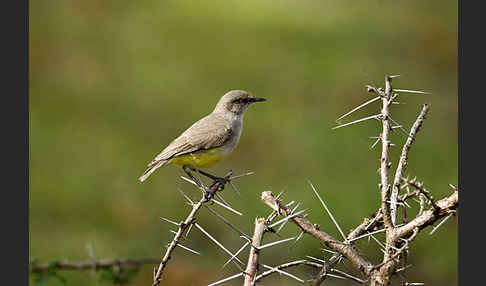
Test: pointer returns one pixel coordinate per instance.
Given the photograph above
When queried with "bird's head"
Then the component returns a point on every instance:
(236, 101)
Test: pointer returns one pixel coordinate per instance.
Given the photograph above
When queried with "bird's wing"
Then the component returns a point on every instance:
(209, 132)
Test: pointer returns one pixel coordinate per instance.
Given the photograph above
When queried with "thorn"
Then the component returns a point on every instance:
(216, 242)
(327, 250)
(399, 126)
(359, 120)
(357, 108)
(222, 199)
(189, 229)
(188, 249)
(168, 220)
(283, 272)
(348, 275)
(405, 203)
(403, 268)
(238, 252)
(286, 218)
(289, 204)
(234, 188)
(242, 175)
(283, 224)
(192, 182)
(274, 243)
(376, 142)
(185, 196)
(226, 221)
(329, 212)
(298, 238)
(227, 207)
(411, 91)
(441, 223)
(226, 279)
(316, 259)
(367, 234)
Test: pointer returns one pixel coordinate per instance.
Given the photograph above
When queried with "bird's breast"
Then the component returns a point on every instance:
(201, 159)
(232, 142)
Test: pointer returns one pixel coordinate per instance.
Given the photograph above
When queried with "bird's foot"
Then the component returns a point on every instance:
(220, 182)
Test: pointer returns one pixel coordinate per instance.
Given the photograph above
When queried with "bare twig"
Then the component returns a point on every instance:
(182, 227)
(186, 224)
(93, 264)
(345, 249)
(419, 187)
(385, 145)
(326, 268)
(445, 206)
(402, 164)
(252, 266)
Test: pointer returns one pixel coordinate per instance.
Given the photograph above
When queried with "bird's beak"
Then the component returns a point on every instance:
(256, 99)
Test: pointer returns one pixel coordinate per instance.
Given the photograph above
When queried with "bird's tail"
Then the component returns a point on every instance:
(152, 169)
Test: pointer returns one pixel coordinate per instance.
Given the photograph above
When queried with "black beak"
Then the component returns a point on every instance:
(256, 99)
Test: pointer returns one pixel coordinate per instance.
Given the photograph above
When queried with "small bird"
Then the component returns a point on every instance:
(208, 140)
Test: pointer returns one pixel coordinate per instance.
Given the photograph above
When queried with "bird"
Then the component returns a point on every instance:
(210, 139)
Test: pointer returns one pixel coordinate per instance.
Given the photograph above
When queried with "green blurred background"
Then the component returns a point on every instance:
(113, 82)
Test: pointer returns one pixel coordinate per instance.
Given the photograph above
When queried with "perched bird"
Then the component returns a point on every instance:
(208, 140)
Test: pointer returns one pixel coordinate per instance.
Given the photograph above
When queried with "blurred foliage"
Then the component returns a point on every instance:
(52, 272)
(113, 82)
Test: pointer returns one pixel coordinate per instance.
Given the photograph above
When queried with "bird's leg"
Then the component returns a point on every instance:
(188, 169)
(212, 177)
(221, 180)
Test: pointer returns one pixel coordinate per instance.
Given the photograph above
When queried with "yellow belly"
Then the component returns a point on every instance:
(201, 159)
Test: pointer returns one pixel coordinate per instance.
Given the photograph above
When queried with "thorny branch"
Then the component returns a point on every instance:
(398, 237)
(183, 226)
(346, 250)
(252, 266)
(402, 164)
(385, 145)
(86, 265)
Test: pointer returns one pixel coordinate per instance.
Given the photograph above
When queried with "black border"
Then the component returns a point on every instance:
(15, 123)
(471, 66)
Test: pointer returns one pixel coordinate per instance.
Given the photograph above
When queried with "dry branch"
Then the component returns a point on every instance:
(402, 164)
(347, 250)
(252, 266)
(183, 226)
(385, 145)
(67, 265)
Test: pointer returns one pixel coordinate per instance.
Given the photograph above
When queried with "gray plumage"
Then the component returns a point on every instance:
(221, 128)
